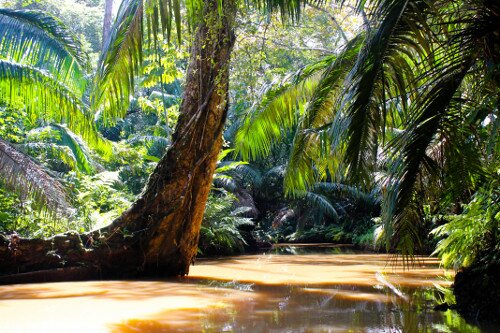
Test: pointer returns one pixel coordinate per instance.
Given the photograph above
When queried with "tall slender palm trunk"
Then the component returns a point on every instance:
(158, 235)
(107, 21)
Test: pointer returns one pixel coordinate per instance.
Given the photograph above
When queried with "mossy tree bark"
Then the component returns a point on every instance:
(158, 235)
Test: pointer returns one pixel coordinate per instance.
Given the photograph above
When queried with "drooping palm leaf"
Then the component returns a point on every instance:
(407, 90)
(310, 151)
(122, 55)
(42, 65)
(366, 199)
(39, 39)
(58, 141)
(278, 111)
(47, 98)
(149, 141)
(321, 203)
(50, 152)
(391, 45)
(120, 61)
(20, 173)
(287, 9)
(429, 113)
(84, 160)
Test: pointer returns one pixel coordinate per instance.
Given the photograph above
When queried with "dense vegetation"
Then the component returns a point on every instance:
(374, 124)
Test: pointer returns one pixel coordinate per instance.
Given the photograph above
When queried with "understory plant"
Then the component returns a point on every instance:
(473, 235)
(220, 231)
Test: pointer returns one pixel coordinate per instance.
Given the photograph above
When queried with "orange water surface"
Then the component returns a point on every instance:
(325, 289)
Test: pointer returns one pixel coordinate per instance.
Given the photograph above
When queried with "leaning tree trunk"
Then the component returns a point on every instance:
(158, 235)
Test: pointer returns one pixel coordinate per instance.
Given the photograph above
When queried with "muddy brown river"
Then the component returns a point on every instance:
(289, 289)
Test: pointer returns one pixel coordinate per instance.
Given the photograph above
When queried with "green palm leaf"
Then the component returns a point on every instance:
(120, 60)
(50, 151)
(322, 203)
(278, 111)
(390, 46)
(46, 98)
(84, 161)
(43, 66)
(60, 142)
(39, 39)
(122, 55)
(398, 215)
(309, 156)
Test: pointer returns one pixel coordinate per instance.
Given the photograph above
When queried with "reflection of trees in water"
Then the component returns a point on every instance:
(318, 299)
(313, 248)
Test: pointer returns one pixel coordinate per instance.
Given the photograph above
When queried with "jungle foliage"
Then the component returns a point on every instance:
(374, 123)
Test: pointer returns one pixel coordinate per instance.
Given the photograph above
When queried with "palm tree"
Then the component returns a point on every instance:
(403, 101)
(159, 234)
(107, 21)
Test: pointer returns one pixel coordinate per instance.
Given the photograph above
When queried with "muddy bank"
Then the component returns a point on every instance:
(477, 292)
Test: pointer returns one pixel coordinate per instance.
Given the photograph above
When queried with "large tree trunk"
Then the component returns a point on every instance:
(158, 235)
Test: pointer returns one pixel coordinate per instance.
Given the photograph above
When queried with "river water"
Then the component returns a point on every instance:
(289, 289)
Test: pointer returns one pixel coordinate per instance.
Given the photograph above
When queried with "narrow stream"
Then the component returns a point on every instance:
(289, 289)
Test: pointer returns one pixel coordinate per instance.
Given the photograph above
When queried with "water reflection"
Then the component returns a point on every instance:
(325, 248)
(315, 292)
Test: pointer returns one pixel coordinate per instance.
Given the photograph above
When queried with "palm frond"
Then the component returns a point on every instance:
(46, 98)
(392, 45)
(39, 39)
(287, 9)
(149, 141)
(21, 174)
(307, 163)
(226, 166)
(57, 141)
(366, 199)
(322, 203)
(277, 112)
(249, 174)
(122, 56)
(413, 145)
(239, 176)
(84, 160)
(50, 152)
(463, 168)
(120, 61)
